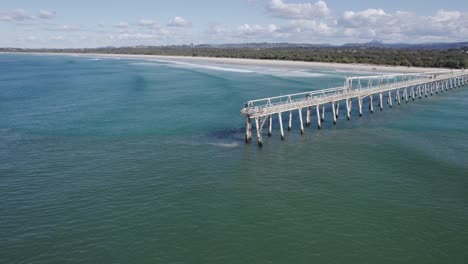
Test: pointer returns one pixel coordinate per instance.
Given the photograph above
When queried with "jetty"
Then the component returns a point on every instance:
(398, 87)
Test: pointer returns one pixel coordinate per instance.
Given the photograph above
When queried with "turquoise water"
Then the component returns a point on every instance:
(124, 161)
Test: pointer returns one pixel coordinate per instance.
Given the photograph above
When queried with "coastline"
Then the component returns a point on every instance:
(257, 62)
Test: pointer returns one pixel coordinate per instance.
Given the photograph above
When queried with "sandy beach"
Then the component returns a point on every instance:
(264, 63)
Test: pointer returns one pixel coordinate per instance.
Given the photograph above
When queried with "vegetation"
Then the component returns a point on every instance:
(450, 58)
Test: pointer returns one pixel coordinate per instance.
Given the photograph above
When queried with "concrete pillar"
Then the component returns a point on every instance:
(334, 113)
(290, 121)
(371, 103)
(323, 112)
(349, 103)
(397, 95)
(432, 88)
(337, 108)
(413, 95)
(259, 133)
(426, 89)
(360, 106)
(270, 126)
(419, 91)
(381, 102)
(308, 116)
(300, 120)
(248, 131)
(406, 94)
(319, 124)
(390, 99)
(280, 119)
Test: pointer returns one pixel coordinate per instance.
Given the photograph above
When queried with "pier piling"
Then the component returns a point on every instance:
(300, 120)
(319, 124)
(248, 131)
(280, 120)
(270, 126)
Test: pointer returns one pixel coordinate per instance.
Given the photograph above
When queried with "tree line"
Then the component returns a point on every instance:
(451, 58)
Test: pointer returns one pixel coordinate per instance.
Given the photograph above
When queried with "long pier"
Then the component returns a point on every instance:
(401, 87)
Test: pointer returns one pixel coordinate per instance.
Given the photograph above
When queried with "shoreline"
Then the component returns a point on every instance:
(256, 62)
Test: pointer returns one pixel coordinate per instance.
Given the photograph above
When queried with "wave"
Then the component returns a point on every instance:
(282, 72)
(203, 66)
(285, 72)
(225, 145)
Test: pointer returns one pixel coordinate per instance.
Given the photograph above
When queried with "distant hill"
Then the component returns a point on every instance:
(419, 46)
(371, 44)
(285, 45)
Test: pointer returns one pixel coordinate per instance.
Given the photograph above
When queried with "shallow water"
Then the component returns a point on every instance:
(130, 161)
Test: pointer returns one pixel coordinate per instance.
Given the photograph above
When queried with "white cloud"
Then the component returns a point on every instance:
(148, 23)
(315, 10)
(16, 15)
(135, 36)
(365, 17)
(59, 38)
(65, 28)
(446, 16)
(250, 29)
(272, 28)
(122, 25)
(404, 26)
(178, 22)
(310, 26)
(44, 14)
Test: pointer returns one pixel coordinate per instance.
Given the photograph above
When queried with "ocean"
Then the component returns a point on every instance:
(132, 161)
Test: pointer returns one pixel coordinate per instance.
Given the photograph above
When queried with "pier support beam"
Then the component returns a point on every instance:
(371, 103)
(413, 95)
(290, 121)
(270, 126)
(337, 108)
(323, 113)
(360, 106)
(248, 131)
(308, 116)
(280, 119)
(259, 133)
(334, 113)
(348, 108)
(406, 94)
(319, 123)
(300, 120)
(390, 99)
(398, 96)
(381, 102)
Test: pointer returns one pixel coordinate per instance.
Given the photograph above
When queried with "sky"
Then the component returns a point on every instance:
(87, 24)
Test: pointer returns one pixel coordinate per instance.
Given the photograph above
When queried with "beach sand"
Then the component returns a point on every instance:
(266, 63)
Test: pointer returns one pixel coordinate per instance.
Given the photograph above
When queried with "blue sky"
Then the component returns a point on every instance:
(85, 23)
